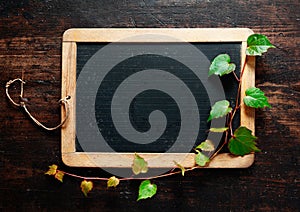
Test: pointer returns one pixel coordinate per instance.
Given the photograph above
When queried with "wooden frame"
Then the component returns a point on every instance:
(87, 159)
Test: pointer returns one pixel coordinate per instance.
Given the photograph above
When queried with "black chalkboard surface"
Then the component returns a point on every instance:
(147, 91)
(147, 101)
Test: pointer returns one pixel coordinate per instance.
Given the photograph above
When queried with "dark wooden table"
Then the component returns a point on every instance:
(30, 42)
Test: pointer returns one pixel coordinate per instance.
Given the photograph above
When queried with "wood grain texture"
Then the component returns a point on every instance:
(31, 41)
(174, 34)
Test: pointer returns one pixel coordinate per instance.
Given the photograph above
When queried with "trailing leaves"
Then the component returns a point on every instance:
(257, 44)
(201, 159)
(206, 145)
(57, 174)
(86, 187)
(146, 190)
(139, 165)
(242, 142)
(181, 167)
(113, 182)
(219, 109)
(52, 170)
(256, 98)
(221, 65)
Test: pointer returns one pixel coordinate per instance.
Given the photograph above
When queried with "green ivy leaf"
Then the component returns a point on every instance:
(86, 187)
(59, 176)
(139, 165)
(201, 159)
(219, 109)
(146, 190)
(221, 65)
(218, 130)
(257, 44)
(181, 167)
(256, 98)
(52, 170)
(242, 142)
(113, 182)
(206, 145)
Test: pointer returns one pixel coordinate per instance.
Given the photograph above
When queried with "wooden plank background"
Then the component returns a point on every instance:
(31, 40)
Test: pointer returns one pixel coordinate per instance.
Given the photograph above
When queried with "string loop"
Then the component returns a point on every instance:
(63, 101)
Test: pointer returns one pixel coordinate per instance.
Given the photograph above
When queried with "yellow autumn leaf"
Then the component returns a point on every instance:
(113, 182)
(59, 176)
(86, 187)
(52, 170)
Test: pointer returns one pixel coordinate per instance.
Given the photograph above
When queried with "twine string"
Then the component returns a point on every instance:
(63, 101)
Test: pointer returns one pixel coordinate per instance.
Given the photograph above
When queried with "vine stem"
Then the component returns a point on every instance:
(236, 77)
(231, 115)
(221, 147)
(237, 99)
(82, 177)
(129, 178)
(159, 176)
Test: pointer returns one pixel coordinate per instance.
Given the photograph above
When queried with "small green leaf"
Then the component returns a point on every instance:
(219, 109)
(52, 170)
(218, 130)
(113, 182)
(201, 159)
(86, 187)
(257, 44)
(242, 142)
(221, 65)
(181, 167)
(146, 190)
(206, 146)
(256, 98)
(59, 176)
(139, 165)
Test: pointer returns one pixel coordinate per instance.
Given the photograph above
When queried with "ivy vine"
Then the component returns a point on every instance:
(239, 142)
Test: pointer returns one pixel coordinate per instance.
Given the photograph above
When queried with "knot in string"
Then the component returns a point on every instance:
(63, 101)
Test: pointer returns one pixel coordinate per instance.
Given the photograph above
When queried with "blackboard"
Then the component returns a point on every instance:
(130, 91)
